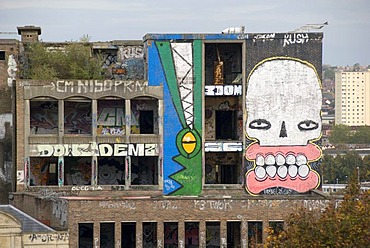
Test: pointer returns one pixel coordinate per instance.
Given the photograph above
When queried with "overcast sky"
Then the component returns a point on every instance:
(346, 38)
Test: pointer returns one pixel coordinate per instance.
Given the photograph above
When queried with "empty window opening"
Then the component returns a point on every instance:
(223, 63)
(128, 234)
(107, 235)
(223, 168)
(233, 234)
(111, 117)
(191, 234)
(171, 238)
(226, 125)
(111, 170)
(254, 233)
(77, 170)
(144, 170)
(77, 117)
(44, 117)
(213, 234)
(2, 55)
(149, 234)
(44, 171)
(144, 116)
(146, 122)
(85, 234)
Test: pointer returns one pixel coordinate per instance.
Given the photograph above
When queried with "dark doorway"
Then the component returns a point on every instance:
(233, 234)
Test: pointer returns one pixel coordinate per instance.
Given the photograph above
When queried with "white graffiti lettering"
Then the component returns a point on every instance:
(122, 204)
(295, 38)
(223, 90)
(222, 146)
(213, 204)
(93, 149)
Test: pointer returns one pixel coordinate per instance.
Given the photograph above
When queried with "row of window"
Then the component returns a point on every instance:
(110, 119)
(170, 235)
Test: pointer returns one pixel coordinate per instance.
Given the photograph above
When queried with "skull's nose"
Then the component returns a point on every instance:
(283, 133)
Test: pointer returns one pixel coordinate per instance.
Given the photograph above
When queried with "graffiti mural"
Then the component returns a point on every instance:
(111, 171)
(44, 117)
(111, 117)
(181, 67)
(77, 170)
(77, 117)
(283, 103)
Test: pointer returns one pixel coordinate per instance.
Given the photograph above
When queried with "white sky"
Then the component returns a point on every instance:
(346, 38)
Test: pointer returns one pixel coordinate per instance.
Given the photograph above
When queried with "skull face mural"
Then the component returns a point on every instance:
(283, 103)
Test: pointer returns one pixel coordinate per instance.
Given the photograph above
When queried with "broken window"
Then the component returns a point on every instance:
(85, 234)
(254, 233)
(107, 235)
(171, 238)
(213, 234)
(233, 234)
(128, 234)
(44, 117)
(43, 171)
(223, 168)
(2, 55)
(111, 117)
(77, 116)
(111, 170)
(144, 170)
(77, 170)
(150, 234)
(191, 234)
(144, 116)
(223, 63)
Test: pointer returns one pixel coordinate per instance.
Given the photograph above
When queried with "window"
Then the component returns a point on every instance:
(43, 171)
(222, 168)
(111, 170)
(171, 238)
(254, 233)
(213, 234)
(277, 226)
(144, 116)
(226, 124)
(191, 234)
(2, 55)
(77, 117)
(128, 234)
(149, 234)
(233, 234)
(111, 117)
(77, 170)
(107, 235)
(85, 234)
(144, 170)
(44, 117)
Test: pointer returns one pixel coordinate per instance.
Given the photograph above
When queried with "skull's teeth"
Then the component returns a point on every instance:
(282, 166)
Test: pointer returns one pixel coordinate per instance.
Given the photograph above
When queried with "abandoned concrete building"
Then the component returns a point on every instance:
(192, 140)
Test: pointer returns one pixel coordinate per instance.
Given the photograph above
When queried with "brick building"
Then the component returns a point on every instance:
(193, 140)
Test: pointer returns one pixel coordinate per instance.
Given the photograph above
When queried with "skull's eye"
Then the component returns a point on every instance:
(261, 124)
(307, 125)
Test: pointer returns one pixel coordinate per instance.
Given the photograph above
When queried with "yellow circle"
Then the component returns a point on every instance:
(189, 142)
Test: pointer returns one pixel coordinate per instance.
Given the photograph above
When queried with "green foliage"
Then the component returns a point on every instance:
(342, 134)
(342, 224)
(328, 72)
(73, 61)
(342, 166)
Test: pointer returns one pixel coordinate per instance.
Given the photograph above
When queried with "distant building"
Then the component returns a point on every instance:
(352, 98)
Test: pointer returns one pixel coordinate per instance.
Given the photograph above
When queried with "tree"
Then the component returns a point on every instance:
(344, 223)
(74, 61)
(340, 134)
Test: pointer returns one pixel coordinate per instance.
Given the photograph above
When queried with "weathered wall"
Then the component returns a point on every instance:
(8, 73)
